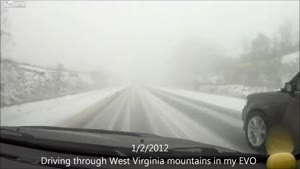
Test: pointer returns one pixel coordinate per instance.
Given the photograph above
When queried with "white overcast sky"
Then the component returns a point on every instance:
(132, 36)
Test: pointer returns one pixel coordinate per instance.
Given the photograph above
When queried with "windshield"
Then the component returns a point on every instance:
(208, 72)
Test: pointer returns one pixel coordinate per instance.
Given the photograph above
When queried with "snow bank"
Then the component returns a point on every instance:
(235, 104)
(31, 68)
(238, 91)
(53, 112)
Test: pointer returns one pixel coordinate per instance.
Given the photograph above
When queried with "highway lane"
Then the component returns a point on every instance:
(150, 110)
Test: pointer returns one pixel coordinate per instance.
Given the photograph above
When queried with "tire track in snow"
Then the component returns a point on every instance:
(151, 111)
(189, 127)
(227, 128)
(105, 116)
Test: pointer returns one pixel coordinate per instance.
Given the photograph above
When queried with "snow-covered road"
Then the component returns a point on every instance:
(167, 112)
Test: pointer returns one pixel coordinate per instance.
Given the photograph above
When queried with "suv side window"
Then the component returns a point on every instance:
(296, 82)
(298, 85)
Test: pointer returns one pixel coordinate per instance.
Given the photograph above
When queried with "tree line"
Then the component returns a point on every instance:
(260, 63)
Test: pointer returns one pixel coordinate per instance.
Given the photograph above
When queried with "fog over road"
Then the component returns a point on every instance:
(160, 111)
(150, 110)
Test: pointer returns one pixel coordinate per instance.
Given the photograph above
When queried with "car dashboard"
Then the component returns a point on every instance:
(19, 157)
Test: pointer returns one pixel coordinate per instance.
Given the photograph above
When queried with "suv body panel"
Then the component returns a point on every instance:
(279, 108)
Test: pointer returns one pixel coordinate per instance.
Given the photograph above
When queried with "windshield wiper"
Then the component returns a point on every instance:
(15, 136)
(14, 132)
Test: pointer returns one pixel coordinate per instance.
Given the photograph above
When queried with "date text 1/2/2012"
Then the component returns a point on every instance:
(150, 148)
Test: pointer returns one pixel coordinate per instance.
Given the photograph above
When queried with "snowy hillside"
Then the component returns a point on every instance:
(46, 112)
(23, 83)
(288, 69)
(290, 58)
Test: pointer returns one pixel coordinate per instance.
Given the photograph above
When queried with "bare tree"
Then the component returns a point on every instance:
(285, 42)
(6, 38)
(261, 46)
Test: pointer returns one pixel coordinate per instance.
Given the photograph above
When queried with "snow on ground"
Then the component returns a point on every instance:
(232, 103)
(53, 111)
(238, 91)
(158, 111)
(31, 68)
(290, 58)
(181, 124)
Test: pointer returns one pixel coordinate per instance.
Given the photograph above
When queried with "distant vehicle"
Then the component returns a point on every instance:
(266, 110)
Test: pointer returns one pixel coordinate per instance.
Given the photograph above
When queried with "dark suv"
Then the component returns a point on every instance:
(265, 111)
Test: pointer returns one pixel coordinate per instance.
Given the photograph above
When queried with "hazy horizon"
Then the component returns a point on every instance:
(132, 38)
